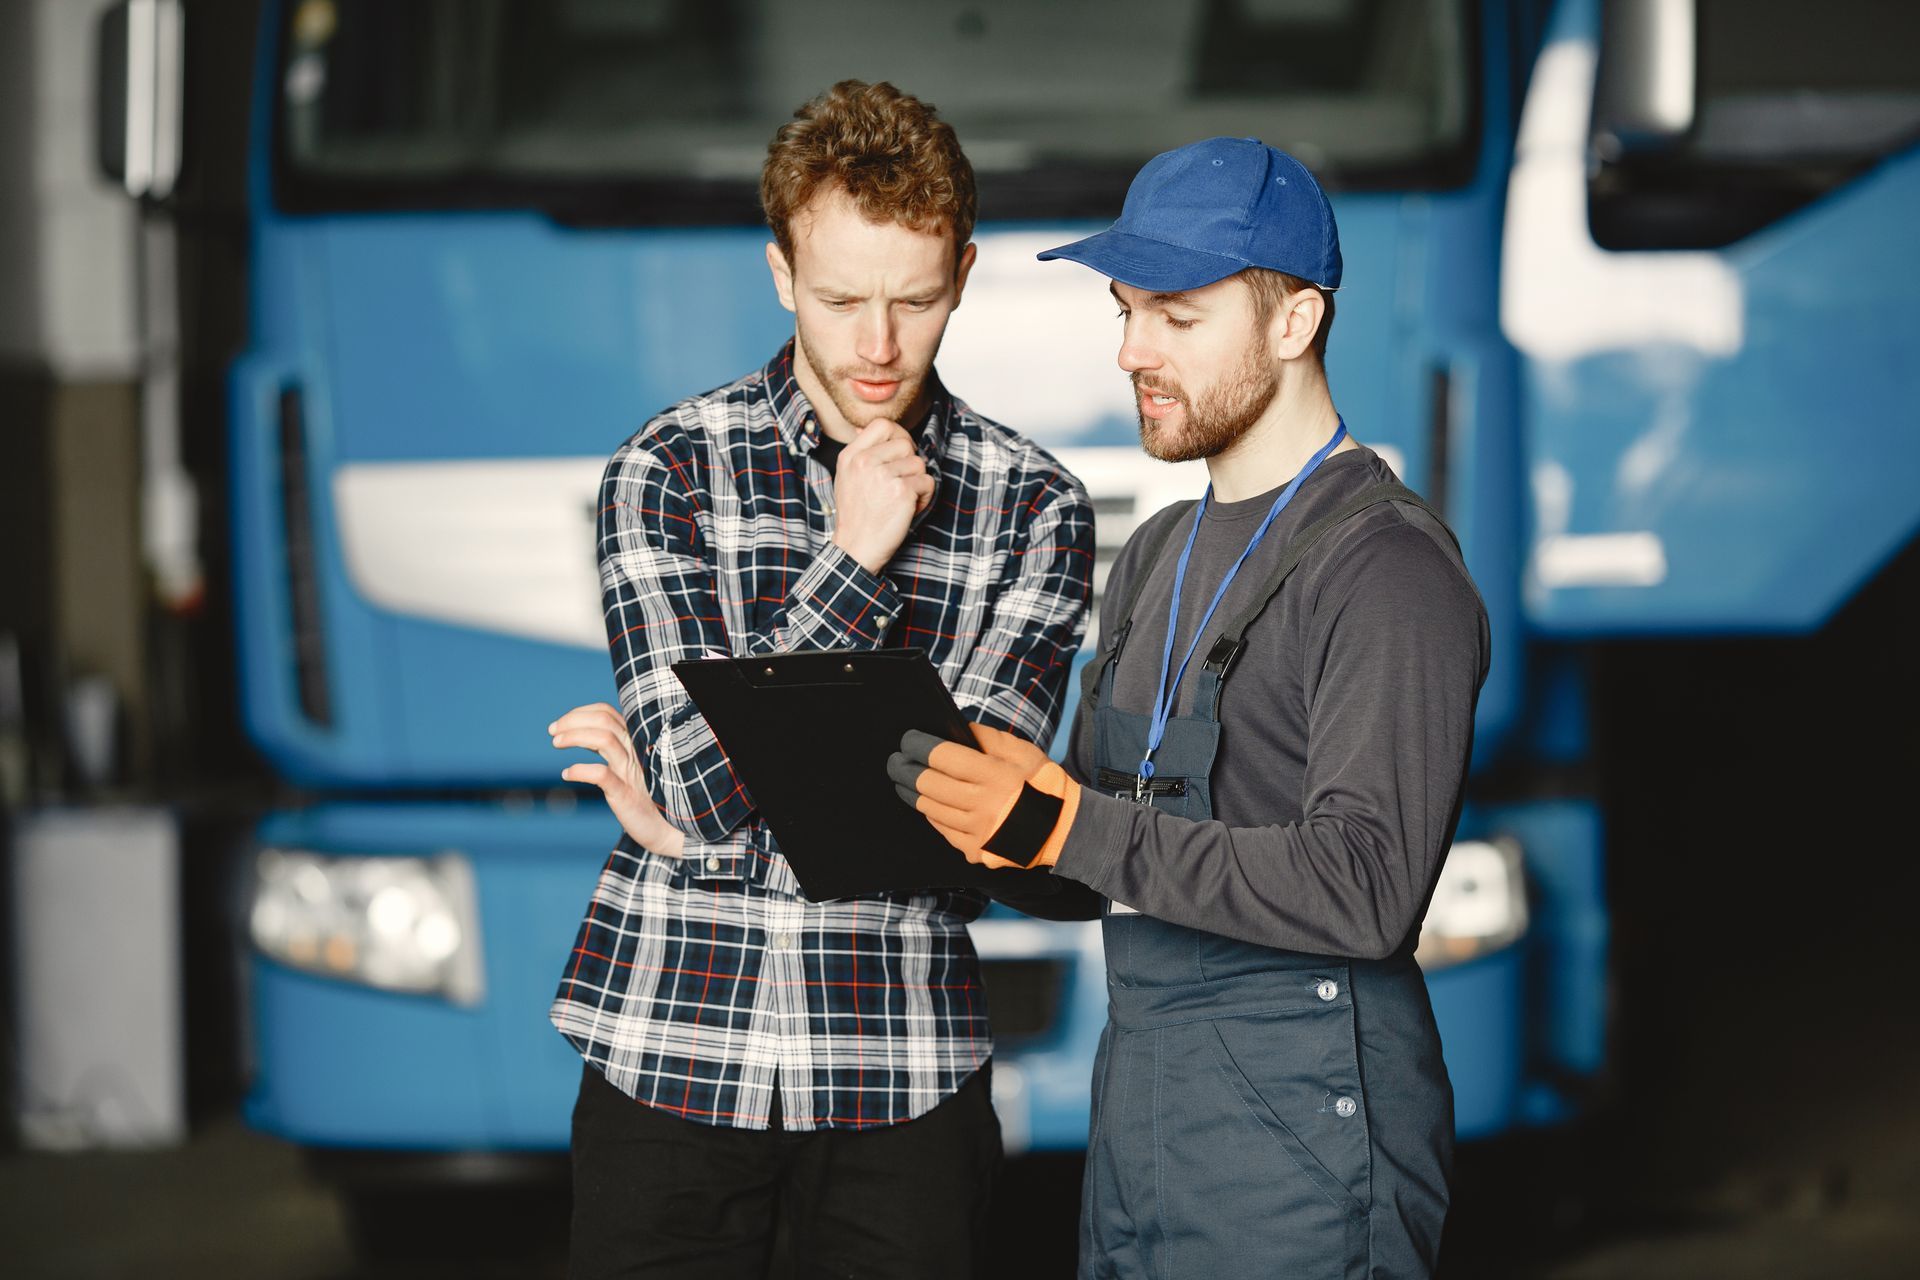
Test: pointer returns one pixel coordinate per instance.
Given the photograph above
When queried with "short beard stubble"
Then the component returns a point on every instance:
(1217, 421)
(859, 413)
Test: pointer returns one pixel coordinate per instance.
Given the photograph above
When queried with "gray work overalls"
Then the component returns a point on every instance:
(1256, 1112)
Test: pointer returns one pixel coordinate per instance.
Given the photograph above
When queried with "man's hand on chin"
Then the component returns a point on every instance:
(880, 483)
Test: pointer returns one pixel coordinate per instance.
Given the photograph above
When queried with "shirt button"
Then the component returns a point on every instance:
(713, 864)
(880, 624)
(1344, 1107)
(1327, 989)
(781, 941)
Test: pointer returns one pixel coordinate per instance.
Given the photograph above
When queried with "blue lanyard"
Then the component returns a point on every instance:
(1163, 699)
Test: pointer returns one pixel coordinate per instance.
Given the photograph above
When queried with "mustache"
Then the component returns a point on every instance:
(1170, 389)
(878, 375)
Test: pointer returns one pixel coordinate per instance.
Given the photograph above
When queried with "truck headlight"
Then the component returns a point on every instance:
(398, 923)
(1479, 905)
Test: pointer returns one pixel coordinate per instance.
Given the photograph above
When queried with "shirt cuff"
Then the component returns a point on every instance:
(703, 862)
(1101, 829)
(838, 603)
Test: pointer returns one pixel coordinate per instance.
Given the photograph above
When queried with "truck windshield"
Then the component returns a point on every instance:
(1792, 101)
(660, 110)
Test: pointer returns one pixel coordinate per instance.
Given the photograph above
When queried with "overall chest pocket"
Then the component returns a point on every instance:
(1182, 797)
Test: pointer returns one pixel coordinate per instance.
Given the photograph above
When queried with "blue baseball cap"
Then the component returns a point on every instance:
(1204, 211)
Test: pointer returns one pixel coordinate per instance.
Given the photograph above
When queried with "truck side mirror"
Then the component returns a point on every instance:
(137, 85)
(1645, 97)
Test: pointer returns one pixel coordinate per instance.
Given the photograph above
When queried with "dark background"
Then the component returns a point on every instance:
(1760, 1117)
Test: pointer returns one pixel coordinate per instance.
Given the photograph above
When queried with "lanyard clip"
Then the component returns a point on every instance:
(1141, 786)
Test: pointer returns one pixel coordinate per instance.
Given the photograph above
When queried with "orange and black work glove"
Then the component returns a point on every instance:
(1005, 805)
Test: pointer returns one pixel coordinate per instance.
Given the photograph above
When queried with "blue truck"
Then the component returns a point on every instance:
(490, 237)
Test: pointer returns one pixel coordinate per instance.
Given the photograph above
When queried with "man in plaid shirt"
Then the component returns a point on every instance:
(829, 1057)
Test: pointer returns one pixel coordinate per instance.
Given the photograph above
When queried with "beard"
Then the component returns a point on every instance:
(857, 412)
(1215, 422)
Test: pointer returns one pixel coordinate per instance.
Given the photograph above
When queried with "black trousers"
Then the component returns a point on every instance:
(656, 1195)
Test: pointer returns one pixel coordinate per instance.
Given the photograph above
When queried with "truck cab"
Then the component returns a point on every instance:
(489, 238)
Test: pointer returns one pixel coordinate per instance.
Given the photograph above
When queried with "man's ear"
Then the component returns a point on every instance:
(1295, 321)
(782, 274)
(960, 271)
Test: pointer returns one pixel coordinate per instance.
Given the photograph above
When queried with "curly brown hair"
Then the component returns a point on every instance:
(887, 150)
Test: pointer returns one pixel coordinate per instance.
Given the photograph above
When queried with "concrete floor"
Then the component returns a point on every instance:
(228, 1203)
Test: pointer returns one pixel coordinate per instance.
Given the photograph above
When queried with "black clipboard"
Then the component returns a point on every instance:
(809, 734)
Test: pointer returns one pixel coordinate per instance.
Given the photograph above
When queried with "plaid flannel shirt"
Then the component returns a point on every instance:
(694, 980)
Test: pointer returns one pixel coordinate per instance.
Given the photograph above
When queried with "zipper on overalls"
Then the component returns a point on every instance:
(1142, 789)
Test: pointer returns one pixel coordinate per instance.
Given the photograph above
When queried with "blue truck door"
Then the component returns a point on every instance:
(1720, 412)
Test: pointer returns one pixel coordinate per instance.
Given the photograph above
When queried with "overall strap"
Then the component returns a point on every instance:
(1233, 637)
(1153, 537)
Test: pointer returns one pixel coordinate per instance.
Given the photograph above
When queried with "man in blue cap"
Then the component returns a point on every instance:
(1265, 773)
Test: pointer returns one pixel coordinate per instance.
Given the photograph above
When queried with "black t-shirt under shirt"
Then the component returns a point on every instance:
(828, 450)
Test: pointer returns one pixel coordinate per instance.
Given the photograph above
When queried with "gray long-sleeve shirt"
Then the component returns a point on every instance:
(1346, 725)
